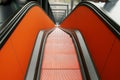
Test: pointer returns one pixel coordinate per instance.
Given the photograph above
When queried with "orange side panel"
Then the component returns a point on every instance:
(60, 59)
(98, 37)
(9, 66)
(112, 66)
(15, 54)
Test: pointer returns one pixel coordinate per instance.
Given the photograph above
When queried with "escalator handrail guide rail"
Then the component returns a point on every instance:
(84, 57)
(90, 66)
(31, 70)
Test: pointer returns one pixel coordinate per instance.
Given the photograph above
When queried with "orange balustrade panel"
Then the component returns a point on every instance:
(60, 59)
(103, 45)
(16, 52)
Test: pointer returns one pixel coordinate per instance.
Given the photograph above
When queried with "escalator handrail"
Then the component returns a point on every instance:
(112, 24)
(35, 64)
(9, 22)
(8, 27)
(87, 66)
(31, 71)
(91, 69)
(40, 59)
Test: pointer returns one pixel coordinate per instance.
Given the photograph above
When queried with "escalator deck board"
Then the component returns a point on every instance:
(60, 60)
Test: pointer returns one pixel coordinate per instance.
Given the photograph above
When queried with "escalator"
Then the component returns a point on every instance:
(58, 57)
(84, 47)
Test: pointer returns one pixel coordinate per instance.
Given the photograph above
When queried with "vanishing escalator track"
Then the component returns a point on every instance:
(61, 54)
(60, 58)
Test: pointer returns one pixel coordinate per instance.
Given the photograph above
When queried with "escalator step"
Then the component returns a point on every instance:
(60, 60)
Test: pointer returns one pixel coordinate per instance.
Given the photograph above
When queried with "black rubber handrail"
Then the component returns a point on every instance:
(88, 63)
(87, 67)
(7, 28)
(84, 76)
(14, 17)
(112, 24)
(32, 67)
(35, 64)
(40, 59)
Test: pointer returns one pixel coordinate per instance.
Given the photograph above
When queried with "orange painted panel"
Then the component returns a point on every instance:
(16, 53)
(111, 70)
(60, 58)
(25, 34)
(99, 39)
(9, 66)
